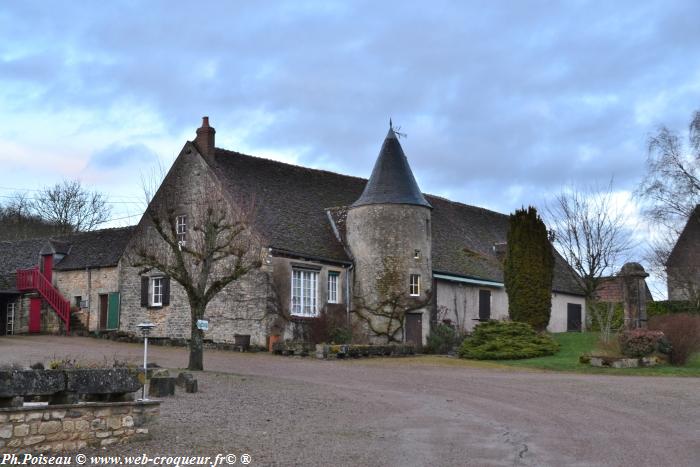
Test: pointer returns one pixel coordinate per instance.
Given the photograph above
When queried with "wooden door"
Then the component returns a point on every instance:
(103, 308)
(484, 305)
(573, 317)
(414, 329)
(34, 315)
(113, 311)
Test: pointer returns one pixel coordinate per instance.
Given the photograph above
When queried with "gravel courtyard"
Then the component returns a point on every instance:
(292, 411)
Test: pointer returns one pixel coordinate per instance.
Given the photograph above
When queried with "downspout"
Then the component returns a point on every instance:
(347, 293)
(89, 297)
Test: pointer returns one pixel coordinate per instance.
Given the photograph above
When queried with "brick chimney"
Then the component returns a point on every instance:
(205, 139)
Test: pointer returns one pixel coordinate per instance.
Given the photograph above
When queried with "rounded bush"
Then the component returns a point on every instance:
(506, 340)
(639, 343)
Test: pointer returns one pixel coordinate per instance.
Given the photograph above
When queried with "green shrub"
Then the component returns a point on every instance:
(640, 342)
(618, 318)
(669, 307)
(443, 339)
(506, 340)
(528, 269)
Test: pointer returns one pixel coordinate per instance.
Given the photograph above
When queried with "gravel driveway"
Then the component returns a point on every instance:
(292, 411)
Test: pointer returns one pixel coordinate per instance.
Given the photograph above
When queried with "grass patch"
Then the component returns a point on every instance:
(574, 344)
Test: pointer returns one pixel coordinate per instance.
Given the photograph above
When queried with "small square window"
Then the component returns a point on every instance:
(414, 288)
(416, 254)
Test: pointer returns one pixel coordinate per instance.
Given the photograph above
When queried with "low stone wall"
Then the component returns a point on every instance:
(71, 427)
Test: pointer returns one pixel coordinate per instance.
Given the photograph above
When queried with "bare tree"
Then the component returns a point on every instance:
(386, 316)
(215, 249)
(590, 232)
(71, 207)
(670, 189)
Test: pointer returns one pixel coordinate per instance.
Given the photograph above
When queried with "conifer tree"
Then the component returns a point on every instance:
(528, 269)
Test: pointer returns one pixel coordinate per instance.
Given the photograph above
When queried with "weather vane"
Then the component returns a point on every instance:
(396, 130)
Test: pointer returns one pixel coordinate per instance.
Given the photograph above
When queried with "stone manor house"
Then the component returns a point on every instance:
(329, 239)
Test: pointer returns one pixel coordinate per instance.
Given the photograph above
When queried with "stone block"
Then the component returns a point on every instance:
(103, 434)
(68, 425)
(182, 379)
(70, 446)
(114, 422)
(128, 421)
(14, 443)
(53, 426)
(191, 386)
(82, 425)
(58, 414)
(81, 445)
(31, 440)
(21, 430)
(6, 431)
(3, 418)
(161, 387)
(103, 412)
(32, 416)
(98, 424)
(108, 441)
(626, 363)
(16, 417)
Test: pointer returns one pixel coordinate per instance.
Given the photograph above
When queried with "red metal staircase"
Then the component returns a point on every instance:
(32, 279)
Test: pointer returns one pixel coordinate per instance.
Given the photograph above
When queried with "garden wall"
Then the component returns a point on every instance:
(70, 427)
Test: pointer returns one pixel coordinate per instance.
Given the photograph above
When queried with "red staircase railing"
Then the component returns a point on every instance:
(33, 279)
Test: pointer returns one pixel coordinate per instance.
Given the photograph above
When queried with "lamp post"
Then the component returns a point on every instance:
(145, 329)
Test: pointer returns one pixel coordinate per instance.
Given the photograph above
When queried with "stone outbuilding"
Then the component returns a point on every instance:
(683, 264)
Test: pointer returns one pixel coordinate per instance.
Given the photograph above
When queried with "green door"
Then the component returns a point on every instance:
(113, 311)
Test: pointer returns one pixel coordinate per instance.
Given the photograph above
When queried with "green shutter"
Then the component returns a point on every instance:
(113, 311)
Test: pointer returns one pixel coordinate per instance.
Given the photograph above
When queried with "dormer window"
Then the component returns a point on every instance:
(181, 229)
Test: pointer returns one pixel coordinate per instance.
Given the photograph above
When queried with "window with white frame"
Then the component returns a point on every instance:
(181, 229)
(304, 292)
(157, 291)
(414, 286)
(10, 323)
(333, 286)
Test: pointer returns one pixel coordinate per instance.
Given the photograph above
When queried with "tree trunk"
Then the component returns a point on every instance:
(196, 342)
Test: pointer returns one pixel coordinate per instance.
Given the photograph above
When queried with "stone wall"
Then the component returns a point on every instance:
(243, 307)
(70, 427)
(89, 285)
(379, 232)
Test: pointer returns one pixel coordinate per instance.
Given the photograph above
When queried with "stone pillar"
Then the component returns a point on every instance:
(634, 294)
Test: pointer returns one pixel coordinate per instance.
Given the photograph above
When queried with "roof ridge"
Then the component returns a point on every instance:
(352, 177)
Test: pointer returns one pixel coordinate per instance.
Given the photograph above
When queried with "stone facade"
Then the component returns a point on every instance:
(683, 265)
(88, 284)
(58, 428)
(400, 233)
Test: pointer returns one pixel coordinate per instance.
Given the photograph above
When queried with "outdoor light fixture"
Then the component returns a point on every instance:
(145, 329)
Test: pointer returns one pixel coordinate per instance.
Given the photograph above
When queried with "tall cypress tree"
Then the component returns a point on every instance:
(528, 269)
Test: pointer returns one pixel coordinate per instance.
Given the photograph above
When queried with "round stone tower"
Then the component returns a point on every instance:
(388, 232)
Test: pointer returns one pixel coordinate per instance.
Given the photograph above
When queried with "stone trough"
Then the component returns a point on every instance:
(67, 386)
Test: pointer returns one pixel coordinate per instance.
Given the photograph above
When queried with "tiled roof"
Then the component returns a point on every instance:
(610, 290)
(392, 181)
(292, 206)
(99, 248)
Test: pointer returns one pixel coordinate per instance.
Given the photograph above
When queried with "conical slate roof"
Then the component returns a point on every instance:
(392, 181)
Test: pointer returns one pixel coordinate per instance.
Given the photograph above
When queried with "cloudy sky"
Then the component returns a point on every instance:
(503, 103)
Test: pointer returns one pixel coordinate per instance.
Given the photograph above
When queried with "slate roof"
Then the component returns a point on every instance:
(99, 248)
(293, 205)
(392, 181)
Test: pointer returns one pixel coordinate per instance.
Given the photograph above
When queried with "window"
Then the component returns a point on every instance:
(10, 324)
(333, 287)
(304, 289)
(414, 289)
(157, 291)
(416, 254)
(181, 229)
(484, 305)
(78, 301)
